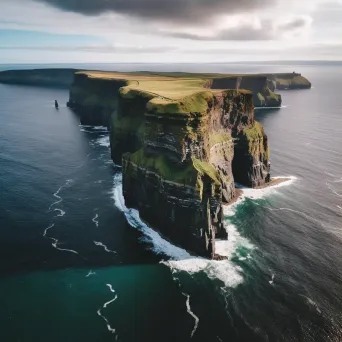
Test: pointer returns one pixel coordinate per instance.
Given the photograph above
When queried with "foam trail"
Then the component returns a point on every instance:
(180, 259)
(95, 220)
(100, 244)
(111, 288)
(188, 307)
(61, 212)
(339, 207)
(91, 273)
(48, 228)
(113, 300)
(110, 329)
(55, 245)
(56, 194)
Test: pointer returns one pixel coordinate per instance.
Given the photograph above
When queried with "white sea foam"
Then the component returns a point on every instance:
(188, 308)
(110, 329)
(261, 193)
(91, 273)
(110, 288)
(266, 108)
(95, 220)
(100, 244)
(103, 141)
(61, 212)
(94, 127)
(56, 194)
(55, 245)
(48, 228)
(180, 259)
(272, 280)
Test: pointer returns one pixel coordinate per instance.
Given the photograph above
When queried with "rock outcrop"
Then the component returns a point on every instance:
(182, 145)
(55, 78)
(259, 85)
(285, 81)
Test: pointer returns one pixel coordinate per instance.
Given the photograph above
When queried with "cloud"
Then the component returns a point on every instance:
(264, 30)
(294, 24)
(96, 49)
(184, 11)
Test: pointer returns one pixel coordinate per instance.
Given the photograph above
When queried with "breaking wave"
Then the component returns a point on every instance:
(180, 259)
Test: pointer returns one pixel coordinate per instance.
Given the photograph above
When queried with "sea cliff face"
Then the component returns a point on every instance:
(54, 78)
(181, 154)
(259, 85)
(94, 99)
(288, 81)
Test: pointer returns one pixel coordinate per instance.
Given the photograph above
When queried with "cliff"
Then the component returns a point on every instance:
(182, 144)
(58, 78)
(94, 94)
(285, 81)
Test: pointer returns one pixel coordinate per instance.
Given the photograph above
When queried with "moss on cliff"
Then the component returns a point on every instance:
(255, 136)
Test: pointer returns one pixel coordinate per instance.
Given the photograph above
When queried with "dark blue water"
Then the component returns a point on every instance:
(73, 269)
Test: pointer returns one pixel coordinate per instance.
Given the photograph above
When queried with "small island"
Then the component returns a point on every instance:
(183, 140)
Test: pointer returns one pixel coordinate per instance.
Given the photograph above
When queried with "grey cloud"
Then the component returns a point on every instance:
(240, 33)
(266, 31)
(184, 11)
(293, 25)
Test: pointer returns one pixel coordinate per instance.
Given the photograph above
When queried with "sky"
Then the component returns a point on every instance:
(169, 31)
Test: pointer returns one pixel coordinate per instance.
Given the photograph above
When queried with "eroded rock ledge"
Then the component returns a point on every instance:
(182, 145)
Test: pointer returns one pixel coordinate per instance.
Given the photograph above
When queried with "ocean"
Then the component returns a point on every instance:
(77, 265)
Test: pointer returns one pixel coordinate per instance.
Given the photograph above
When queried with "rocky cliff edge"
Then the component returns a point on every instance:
(182, 145)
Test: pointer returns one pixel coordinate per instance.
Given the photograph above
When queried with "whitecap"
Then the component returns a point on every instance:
(91, 273)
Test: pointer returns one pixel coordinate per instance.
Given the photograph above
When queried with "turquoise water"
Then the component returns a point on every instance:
(77, 265)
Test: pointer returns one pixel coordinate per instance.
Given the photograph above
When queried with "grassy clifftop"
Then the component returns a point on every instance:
(165, 95)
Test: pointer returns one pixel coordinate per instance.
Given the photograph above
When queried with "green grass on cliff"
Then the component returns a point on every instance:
(254, 135)
(183, 174)
(166, 93)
